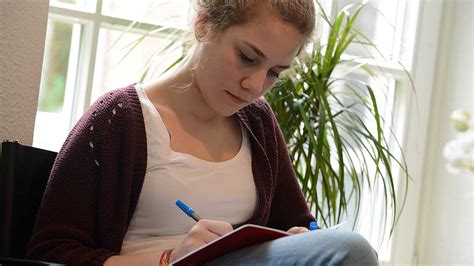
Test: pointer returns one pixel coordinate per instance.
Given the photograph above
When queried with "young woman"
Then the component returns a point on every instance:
(202, 134)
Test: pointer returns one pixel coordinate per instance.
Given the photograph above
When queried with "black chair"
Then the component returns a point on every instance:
(24, 172)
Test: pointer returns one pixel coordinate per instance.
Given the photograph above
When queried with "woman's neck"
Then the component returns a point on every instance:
(179, 93)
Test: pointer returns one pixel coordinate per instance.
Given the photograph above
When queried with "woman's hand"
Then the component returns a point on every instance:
(296, 230)
(200, 234)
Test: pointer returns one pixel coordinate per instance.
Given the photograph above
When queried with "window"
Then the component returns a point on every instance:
(91, 48)
(390, 26)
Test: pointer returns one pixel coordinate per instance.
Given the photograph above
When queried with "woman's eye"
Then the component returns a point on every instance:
(246, 59)
(274, 74)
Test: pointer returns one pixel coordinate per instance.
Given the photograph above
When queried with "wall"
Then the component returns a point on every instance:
(22, 34)
(445, 230)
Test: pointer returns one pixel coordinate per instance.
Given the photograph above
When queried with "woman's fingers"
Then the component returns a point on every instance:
(201, 233)
(217, 227)
(297, 230)
(209, 230)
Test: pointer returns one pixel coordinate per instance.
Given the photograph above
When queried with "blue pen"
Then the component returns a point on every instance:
(188, 210)
(313, 225)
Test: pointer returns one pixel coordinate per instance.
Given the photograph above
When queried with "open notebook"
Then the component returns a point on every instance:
(241, 237)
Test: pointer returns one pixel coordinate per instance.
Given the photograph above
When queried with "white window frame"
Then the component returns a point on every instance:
(91, 25)
(414, 120)
(408, 13)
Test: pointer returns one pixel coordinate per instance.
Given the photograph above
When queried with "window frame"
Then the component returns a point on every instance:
(413, 121)
(393, 69)
(91, 23)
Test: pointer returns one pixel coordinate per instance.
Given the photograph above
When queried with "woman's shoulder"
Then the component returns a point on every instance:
(114, 110)
(259, 117)
(259, 108)
(122, 98)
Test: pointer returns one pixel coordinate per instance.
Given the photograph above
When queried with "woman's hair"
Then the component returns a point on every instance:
(222, 14)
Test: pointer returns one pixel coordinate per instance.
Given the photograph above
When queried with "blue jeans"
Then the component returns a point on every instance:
(319, 247)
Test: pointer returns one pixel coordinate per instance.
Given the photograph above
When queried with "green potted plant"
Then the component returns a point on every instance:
(334, 130)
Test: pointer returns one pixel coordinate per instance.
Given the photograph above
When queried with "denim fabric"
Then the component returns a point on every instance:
(319, 247)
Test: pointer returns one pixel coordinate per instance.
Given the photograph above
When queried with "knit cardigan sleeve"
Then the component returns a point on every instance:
(288, 207)
(86, 206)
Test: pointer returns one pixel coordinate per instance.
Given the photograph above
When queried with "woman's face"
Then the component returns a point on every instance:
(244, 62)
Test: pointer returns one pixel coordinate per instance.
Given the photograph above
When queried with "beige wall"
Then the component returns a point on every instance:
(446, 225)
(22, 35)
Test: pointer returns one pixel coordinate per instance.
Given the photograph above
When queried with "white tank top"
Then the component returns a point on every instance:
(215, 190)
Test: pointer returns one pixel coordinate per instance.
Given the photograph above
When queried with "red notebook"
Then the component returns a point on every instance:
(241, 237)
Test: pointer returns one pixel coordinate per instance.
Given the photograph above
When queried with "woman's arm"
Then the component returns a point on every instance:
(201, 233)
(149, 258)
(86, 205)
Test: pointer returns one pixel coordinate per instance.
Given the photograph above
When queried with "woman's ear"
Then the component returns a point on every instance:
(201, 25)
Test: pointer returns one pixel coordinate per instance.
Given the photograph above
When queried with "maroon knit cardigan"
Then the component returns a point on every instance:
(96, 181)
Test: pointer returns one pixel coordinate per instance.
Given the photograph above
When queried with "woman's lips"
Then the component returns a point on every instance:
(237, 100)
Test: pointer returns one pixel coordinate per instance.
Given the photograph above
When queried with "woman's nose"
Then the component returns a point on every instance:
(255, 82)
